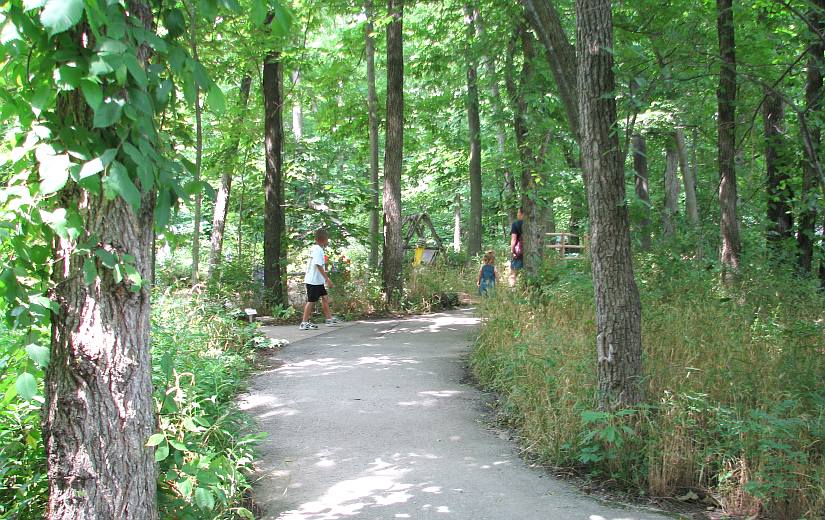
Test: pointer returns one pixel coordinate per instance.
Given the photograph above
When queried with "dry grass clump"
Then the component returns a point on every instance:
(735, 399)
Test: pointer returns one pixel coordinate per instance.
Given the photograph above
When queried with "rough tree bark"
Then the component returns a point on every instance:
(372, 107)
(222, 198)
(393, 153)
(726, 95)
(780, 216)
(98, 410)
(531, 227)
(618, 308)
(474, 127)
(813, 103)
(688, 178)
(670, 210)
(642, 189)
(274, 214)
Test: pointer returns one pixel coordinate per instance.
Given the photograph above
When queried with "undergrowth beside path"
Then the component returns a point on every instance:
(735, 400)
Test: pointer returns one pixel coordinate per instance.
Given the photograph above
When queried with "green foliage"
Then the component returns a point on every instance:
(732, 383)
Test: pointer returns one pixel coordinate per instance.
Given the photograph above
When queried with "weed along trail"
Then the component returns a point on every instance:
(372, 420)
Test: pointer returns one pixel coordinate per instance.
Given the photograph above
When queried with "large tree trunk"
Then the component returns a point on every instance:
(688, 178)
(671, 188)
(372, 106)
(393, 153)
(618, 308)
(813, 103)
(196, 232)
(274, 214)
(726, 95)
(474, 126)
(222, 198)
(642, 187)
(531, 226)
(779, 210)
(561, 55)
(98, 411)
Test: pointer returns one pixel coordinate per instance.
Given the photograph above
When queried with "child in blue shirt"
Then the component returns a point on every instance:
(487, 275)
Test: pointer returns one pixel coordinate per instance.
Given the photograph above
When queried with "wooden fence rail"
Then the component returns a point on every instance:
(561, 242)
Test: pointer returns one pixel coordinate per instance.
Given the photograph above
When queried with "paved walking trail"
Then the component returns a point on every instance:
(370, 420)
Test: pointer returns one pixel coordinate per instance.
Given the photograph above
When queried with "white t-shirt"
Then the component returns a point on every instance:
(316, 257)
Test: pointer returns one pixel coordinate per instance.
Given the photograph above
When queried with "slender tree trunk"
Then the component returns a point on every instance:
(222, 199)
(618, 308)
(393, 153)
(274, 215)
(98, 411)
(561, 55)
(688, 178)
(642, 189)
(671, 189)
(457, 224)
(196, 232)
(372, 105)
(297, 109)
(779, 211)
(813, 104)
(729, 224)
(474, 125)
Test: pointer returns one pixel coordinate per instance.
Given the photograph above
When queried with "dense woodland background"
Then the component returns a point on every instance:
(183, 152)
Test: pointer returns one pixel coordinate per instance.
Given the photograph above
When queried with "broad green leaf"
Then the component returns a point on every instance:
(155, 439)
(119, 183)
(134, 277)
(60, 15)
(67, 78)
(161, 453)
(89, 271)
(190, 425)
(201, 75)
(204, 499)
(54, 172)
(107, 258)
(185, 487)
(163, 209)
(258, 12)
(92, 93)
(216, 99)
(38, 353)
(26, 386)
(107, 114)
(177, 445)
(282, 21)
(136, 71)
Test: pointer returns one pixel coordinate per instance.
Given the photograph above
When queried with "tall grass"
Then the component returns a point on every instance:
(734, 384)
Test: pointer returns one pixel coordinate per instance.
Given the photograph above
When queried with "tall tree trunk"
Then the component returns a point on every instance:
(813, 104)
(498, 117)
(222, 199)
(729, 222)
(297, 109)
(671, 188)
(274, 214)
(531, 226)
(457, 224)
(561, 55)
(779, 209)
(618, 308)
(196, 232)
(642, 188)
(688, 178)
(474, 126)
(393, 153)
(372, 106)
(98, 411)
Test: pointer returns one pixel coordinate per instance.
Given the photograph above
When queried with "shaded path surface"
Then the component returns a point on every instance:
(371, 421)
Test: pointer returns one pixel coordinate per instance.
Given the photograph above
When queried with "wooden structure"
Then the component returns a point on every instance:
(414, 229)
(568, 245)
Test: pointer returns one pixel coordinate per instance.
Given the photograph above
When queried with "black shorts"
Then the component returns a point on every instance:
(314, 292)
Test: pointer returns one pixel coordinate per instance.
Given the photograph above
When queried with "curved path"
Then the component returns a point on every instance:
(371, 420)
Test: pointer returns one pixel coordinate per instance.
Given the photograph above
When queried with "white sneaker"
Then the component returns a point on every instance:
(307, 325)
(333, 321)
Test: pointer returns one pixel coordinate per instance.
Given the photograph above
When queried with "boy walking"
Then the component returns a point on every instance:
(314, 279)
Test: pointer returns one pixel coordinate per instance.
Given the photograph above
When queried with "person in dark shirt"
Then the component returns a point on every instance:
(516, 247)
